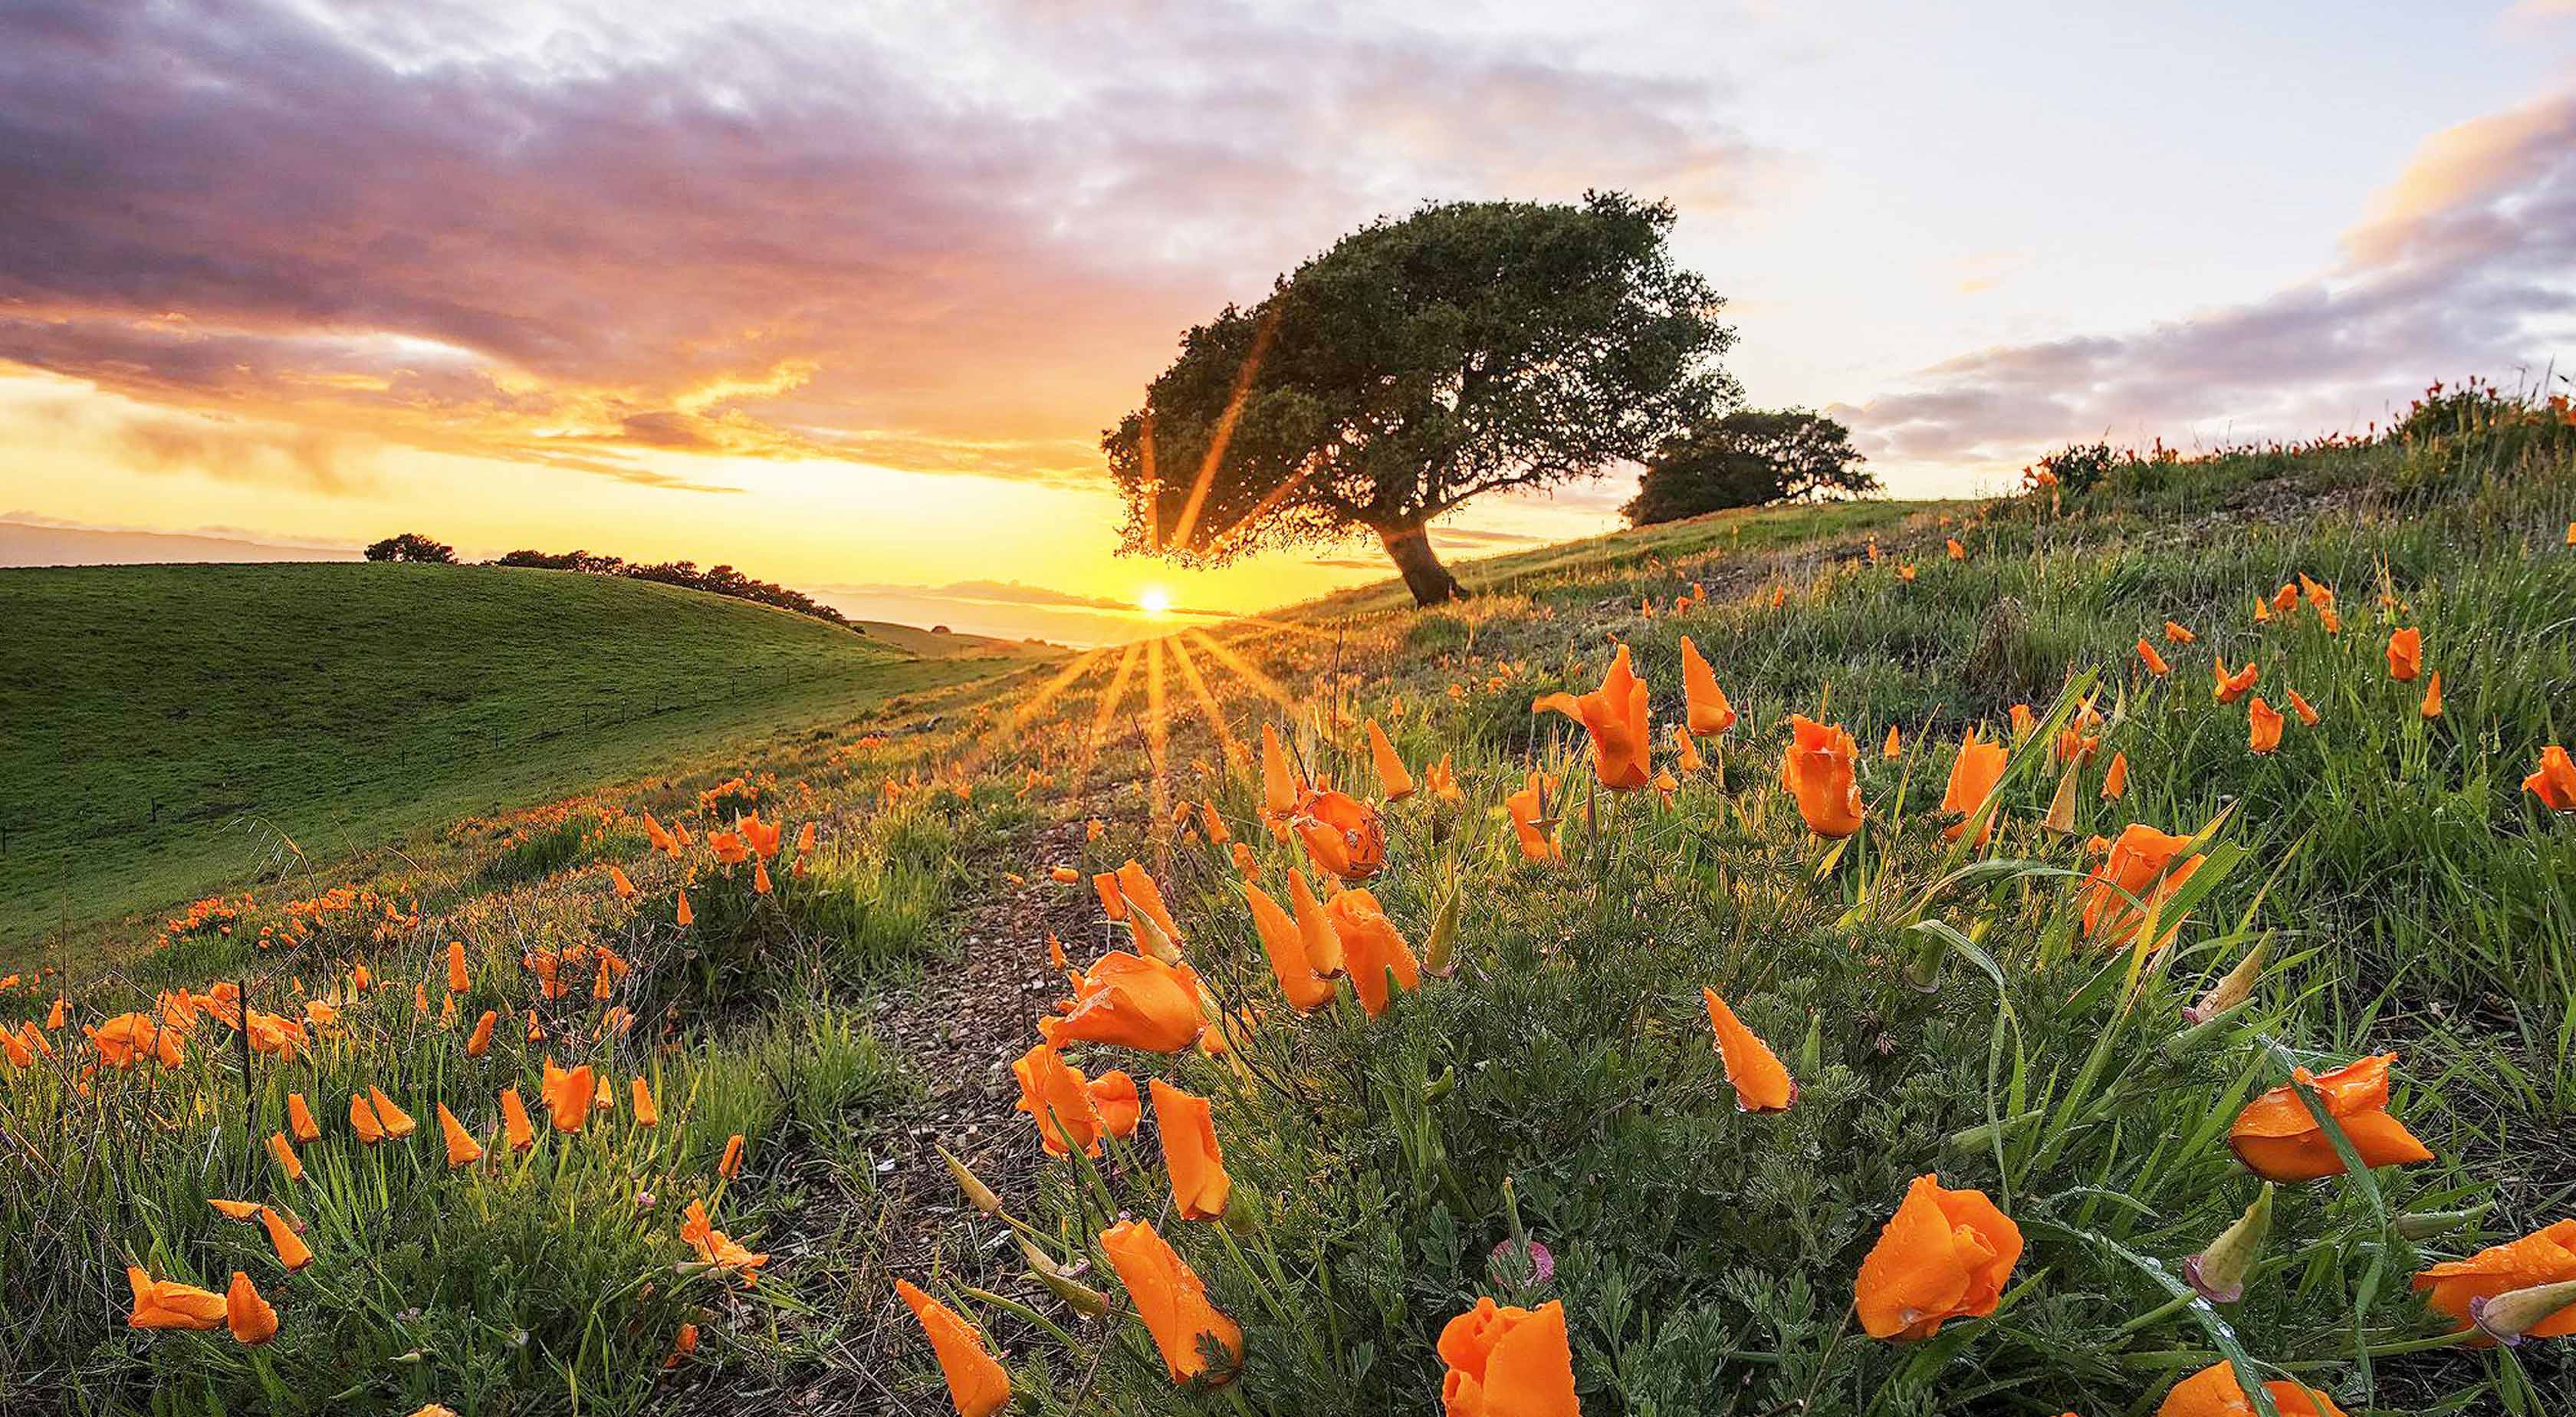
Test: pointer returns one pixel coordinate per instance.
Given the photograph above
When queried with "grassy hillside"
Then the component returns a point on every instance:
(165, 725)
(1978, 1012)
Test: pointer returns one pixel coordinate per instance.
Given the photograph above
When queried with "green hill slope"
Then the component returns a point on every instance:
(161, 725)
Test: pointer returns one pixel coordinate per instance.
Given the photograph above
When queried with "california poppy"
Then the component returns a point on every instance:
(2432, 705)
(2145, 863)
(1442, 778)
(2545, 1256)
(1616, 716)
(1114, 1101)
(1172, 1302)
(1973, 775)
(729, 1165)
(1343, 836)
(2115, 781)
(683, 916)
(237, 1210)
(1316, 937)
(2214, 1392)
(2278, 1140)
(1894, 747)
(1134, 1002)
(617, 878)
(1944, 1255)
(1505, 1361)
(1280, 785)
(2231, 687)
(462, 1148)
(514, 1121)
(2406, 654)
(568, 1094)
(1818, 772)
(1052, 1092)
(481, 1041)
(719, 1249)
(1537, 833)
(2263, 725)
(2285, 600)
(1371, 949)
(292, 1252)
(284, 1150)
(2176, 634)
(1288, 963)
(646, 1114)
(1393, 779)
(1761, 1083)
(2155, 662)
(2307, 712)
(362, 1117)
(2554, 781)
(1957, 552)
(1706, 710)
(2023, 722)
(1191, 1156)
(164, 1303)
(397, 1123)
(457, 980)
(251, 1319)
(977, 1384)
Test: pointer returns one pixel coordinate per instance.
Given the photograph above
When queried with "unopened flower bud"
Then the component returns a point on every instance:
(2219, 1271)
(1439, 956)
(2507, 1317)
(978, 1194)
(2235, 987)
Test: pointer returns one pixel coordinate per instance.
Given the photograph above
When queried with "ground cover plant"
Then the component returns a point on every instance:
(2108, 949)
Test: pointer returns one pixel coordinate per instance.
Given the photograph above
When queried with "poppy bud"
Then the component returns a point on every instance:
(2235, 987)
(2219, 1271)
(2507, 1317)
(978, 1194)
(1438, 953)
(1441, 1086)
(1060, 1281)
(2423, 1225)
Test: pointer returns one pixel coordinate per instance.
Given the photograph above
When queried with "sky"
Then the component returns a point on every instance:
(844, 295)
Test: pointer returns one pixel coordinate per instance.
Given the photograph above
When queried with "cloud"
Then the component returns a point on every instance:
(2465, 264)
(958, 244)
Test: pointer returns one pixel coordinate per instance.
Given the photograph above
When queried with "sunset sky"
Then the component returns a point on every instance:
(845, 294)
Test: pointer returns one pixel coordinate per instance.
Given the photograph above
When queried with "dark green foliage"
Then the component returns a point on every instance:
(412, 546)
(1749, 458)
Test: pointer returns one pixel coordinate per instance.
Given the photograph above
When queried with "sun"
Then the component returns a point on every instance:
(1154, 600)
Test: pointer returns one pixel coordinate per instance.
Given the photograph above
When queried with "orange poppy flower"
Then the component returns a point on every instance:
(728, 847)
(249, 1316)
(292, 1252)
(568, 1095)
(2155, 662)
(1393, 779)
(1054, 1095)
(2262, 611)
(804, 838)
(2214, 1392)
(719, 1249)
(457, 980)
(1172, 1303)
(2231, 687)
(2176, 634)
(2115, 782)
(684, 917)
(1906, 572)
(1190, 1153)
(1134, 1002)
(2278, 1140)
(2545, 1256)
(760, 836)
(1114, 1100)
(1343, 836)
(2142, 863)
(640, 1093)
(2432, 705)
(1245, 864)
(1537, 833)
(284, 1151)
(1371, 949)
(760, 884)
(1957, 552)
(2263, 725)
(2307, 712)
(1288, 963)
(2023, 722)
(1686, 749)
(617, 879)
(1894, 747)
(362, 1117)
(396, 1122)
(977, 1384)
(1316, 937)
(462, 1148)
(54, 1020)
(236, 1210)
(1818, 772)
(1973, 774)
(2406, 655)
(1615, 715)
(1505, 1361)
(1761, 1083)
(2554, 781)
(514, 1121)
(1280, 784)
(1442, 778)
(165, 1303)
(729, 1165)
(481, 1041)
(1944, 1255)
(2285, 600)
(1707, 712)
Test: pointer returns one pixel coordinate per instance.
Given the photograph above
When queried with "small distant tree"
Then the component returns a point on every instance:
(412, 546)
(1468, 348)
(1749, 458)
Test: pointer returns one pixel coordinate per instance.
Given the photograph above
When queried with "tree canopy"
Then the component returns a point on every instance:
(1466, 348)
(412, 546)
(1749, 458)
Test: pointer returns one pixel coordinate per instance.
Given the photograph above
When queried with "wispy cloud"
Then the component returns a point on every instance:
(745, 237)
(2465, 264)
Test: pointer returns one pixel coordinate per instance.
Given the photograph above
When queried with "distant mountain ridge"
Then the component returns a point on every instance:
(24, 543)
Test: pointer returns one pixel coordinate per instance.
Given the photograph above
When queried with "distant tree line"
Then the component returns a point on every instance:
(1749, 457)
(714, 580)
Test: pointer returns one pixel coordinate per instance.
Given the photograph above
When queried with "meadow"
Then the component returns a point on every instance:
(175, 728)
(1424, 1044)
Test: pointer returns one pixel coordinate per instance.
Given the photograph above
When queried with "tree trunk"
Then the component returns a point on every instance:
(1409, 547)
